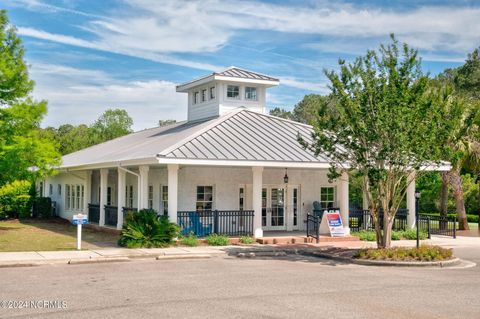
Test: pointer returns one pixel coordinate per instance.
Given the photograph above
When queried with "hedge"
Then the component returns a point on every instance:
(15, 200)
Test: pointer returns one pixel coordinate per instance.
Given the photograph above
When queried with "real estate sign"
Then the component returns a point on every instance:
(335, 225)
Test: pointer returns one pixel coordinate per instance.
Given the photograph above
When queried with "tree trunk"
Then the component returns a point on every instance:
(387, 230)
(444, 195)
(378, 228)
(456, 182)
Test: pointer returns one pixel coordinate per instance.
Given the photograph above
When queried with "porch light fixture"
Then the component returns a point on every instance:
(285, 178)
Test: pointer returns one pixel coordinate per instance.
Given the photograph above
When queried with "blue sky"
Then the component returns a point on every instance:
(87, 56)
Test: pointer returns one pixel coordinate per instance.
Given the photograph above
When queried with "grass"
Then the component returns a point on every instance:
(424, 253)
(43, 235)
(247, 240)
(411, 234)
(191, 240)
(217, 240)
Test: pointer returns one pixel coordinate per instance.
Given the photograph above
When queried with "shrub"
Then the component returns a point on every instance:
(247, 240)
(15, 200)
(412, 234)
(396, 235)
(424, 253)
(146, 229)
(217, 240)
(42, 207)
(366, 235)
(190, 240)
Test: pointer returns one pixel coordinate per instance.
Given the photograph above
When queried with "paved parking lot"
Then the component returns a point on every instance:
(242, 288)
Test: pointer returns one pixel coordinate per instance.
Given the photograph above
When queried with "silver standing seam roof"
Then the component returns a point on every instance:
(237, 136)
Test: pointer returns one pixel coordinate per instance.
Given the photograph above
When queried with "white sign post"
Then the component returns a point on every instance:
(79, 220)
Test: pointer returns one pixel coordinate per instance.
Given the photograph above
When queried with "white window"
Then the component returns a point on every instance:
(129, 196)
(77, 199)
(204, 198)
(59, 189)
(67, 197)
(50, 189)
(41, 189)
(196, 95)
(233, 91)
(241, 198)
(212, 93)
(165, 200)
(251, 93)
(204, 95)
(327, 197)
(109, 196)
(150, 197)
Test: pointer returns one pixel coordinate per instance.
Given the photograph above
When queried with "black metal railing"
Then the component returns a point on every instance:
(313, 226)
(438, 225)
(111, 215)
(94, 213)
(360, 219)
(222, 222)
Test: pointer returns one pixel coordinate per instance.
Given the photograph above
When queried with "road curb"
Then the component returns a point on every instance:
(366, 262)
(96, 260)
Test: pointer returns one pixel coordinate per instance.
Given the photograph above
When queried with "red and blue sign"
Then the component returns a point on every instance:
(335, 224)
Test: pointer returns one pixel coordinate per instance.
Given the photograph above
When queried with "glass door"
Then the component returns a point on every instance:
(277, 217)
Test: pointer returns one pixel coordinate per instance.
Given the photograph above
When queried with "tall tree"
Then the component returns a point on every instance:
(112, 123)
(383, 124)
(21, 144)
(279, 112)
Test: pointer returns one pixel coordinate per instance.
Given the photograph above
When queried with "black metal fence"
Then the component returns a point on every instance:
(111, 215)
(225, 222)
(360, 219)
(313, 226)
(438, 225)
(93, 213)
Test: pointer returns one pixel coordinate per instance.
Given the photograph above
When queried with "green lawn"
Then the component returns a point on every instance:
(35, 235)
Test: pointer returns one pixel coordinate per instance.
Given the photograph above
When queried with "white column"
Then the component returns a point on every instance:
(103, 195)
(120, 196)
(343, 200)
(87, 196)
(172, 192)
(143, 189)
(257, 201)
(411, 200)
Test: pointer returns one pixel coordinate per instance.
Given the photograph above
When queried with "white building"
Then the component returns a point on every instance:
(229, 155)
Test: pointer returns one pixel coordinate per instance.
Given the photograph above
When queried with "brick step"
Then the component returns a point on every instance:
(302, 239)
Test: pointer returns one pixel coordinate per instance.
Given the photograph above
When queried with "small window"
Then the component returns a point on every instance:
(109, 196)
(50, 189)
(204, 198)
(327, 197)
(165, 200)
(130, 197)
(233, 92)
(77, 199)
(150, 197)
(59, 189)
(241, 198)
(67, 197)
(251, 93)
(196, 95)
(41, 189)
(212, 93)
(295, 206)
(204, 95)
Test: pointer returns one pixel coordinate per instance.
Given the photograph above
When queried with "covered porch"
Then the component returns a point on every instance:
(233, 200)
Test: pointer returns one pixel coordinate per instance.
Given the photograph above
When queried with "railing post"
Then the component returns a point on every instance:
(455, 227)
(428, 228)
(215, 221)
(317, 222)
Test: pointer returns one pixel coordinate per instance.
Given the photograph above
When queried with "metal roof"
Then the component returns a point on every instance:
(237, 136)
(249, 136)
(240, 73)
(233, 73)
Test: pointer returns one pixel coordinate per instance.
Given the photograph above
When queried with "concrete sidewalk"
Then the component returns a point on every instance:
(33, 258)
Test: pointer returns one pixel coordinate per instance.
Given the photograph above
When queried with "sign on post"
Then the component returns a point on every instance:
(79, 220)
(335, 225)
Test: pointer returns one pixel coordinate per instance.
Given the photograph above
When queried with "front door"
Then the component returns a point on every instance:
(273, 208)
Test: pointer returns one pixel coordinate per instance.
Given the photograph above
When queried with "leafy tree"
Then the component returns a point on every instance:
(21, 145)
(307, 109)
(467, 77)
(279, 112)
(112, 123)
(385, 124)
(166, 122)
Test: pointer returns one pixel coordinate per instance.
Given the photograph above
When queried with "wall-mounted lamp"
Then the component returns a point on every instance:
(285, 178)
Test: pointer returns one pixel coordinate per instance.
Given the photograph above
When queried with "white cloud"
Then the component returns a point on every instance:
(79, 96)
(304, 85)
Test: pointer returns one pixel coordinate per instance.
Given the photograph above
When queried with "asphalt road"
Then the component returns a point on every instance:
(244, 288)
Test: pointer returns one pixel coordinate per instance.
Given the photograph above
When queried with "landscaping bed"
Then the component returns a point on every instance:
(421, 254)
(411, 234)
